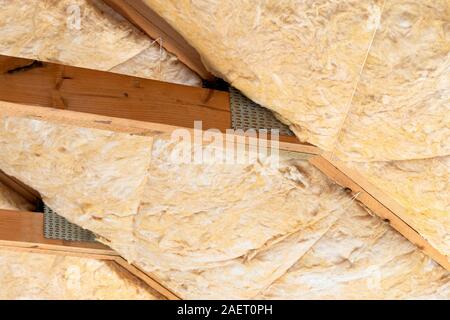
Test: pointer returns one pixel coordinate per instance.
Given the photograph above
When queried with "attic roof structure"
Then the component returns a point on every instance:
(100, 108)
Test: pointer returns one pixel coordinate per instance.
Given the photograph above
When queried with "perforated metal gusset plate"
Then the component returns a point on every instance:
(57, 227)
(246, 114)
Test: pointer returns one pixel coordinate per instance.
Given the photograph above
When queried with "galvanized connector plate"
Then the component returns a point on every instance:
(246, 114)
(57, 227)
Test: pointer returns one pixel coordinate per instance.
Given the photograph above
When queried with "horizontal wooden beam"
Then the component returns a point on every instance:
(145, 19)
(109, 101)
(378, 202)
(23, 231)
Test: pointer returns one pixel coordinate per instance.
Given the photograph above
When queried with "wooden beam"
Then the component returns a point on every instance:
(378, 202)
(151, 281)
(26, 192)
(109, 101)
(112, 95)
(23, 231)
(145, 19)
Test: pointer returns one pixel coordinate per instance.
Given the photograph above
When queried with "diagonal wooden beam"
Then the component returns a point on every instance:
(158, 29)
(24, 191)
(378, 202)
(152, 281)
(23, 231)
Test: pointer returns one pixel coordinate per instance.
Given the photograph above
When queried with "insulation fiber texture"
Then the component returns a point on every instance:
(362, 257)
(26, 275)
(370, 77)
(422, 187)
(401, 107)
(88, 34)
(94, 178)
(228, 231)
(368, 81)
(216, 230)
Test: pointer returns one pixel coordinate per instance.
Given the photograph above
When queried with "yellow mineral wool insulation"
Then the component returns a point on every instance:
(243, 277)
(208, 230)
(302, 59)
(25, 275)
(233, 231)
(361, 257)
(9, 200)
(200, 215)
(170, 69)
(85, 33)
(422, 187)
(401, 108)
(228, 230)
(93, 177)
(215, 237)
(242, 225)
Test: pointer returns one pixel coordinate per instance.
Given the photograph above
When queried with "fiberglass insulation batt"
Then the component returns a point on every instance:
(26, 275)
(422, 187)
(88, 34)
(232, 231)
(368, 81)
(370, 77)
(216, 230)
